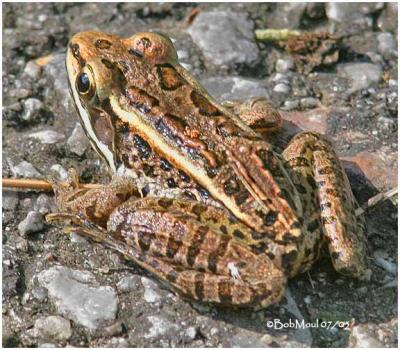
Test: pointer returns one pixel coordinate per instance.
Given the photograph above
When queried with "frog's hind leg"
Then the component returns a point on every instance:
(311, 157)
(179, 246)
(194, 259)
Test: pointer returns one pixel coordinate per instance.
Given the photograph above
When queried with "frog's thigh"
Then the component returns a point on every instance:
(94, 204)
(343, 231)
(194, 258)
(258, 114)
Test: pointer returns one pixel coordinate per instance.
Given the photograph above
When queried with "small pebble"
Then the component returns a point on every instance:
(150, 287)
(25, 169)
(114, 329)
(44, 204)
(309, 102)
(39, 293)
(32, 223)
(32, 70)
(10, 200)
(278, 77)
(47, 136)
(386, 124)
(283, 65)
(290, 105)
(78, 141)
(385, 43)
(127, 284)
(282, 88)
(22, 245)
(62, 173)
(53, 327)
(32, 109)
(190, 333)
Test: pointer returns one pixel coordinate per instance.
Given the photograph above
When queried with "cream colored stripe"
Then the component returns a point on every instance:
(85, 118)
(169, 152)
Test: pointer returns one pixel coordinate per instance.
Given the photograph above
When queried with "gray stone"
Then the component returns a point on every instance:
(309, 102)
(279, 77)
(127, 284)
(386, 124)
(32, 223)
(25, 169)
(284, 65)
(56, 73)
(47, 345)
(382, 261)
(301, 335)
(61, 172)
(190, 333)
(117, 342)
(78, 141)
(290, 14)
(32, 109)
(78, 296)
(385, 44)
(290, 105)
(282, 88)
(53, 327)
(387, 21)
(225, 37)
(21, 245)
(39, 293)
(361, 336)
(160, 326)
(150, 290)
(234, 88)
(244, 338)
(10, 200)
(47, 136)
(114, 329)
(32, 69)
(361, 75)
(347, 11)
(44, 204)
(78, 239)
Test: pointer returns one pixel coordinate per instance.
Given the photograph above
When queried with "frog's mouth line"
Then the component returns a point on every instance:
(102, 149)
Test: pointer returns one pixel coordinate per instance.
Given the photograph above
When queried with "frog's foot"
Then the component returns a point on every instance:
(95, 204)
(312, 157)
(257, 113)
(83, 227)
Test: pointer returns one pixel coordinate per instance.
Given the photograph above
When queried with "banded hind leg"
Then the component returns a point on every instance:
(191, 248)
(315, 167)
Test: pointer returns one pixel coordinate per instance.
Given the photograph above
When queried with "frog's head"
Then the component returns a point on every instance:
(101, 69)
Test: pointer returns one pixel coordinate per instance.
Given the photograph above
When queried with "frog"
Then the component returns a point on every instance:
(199, 196)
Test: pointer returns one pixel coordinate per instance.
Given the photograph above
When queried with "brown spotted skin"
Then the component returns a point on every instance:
(201, 199)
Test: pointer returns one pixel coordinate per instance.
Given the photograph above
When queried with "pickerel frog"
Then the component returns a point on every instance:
(198, 196)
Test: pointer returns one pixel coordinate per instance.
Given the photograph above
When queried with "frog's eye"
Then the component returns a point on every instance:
(85, 83)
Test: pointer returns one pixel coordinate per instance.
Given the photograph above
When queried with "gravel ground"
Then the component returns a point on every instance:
(61, 290)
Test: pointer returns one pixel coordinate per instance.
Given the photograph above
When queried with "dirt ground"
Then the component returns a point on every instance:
(61, 290)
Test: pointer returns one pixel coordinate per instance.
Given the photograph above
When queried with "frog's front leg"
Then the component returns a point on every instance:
(257, 113)
(94, 204)
(316, 171)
